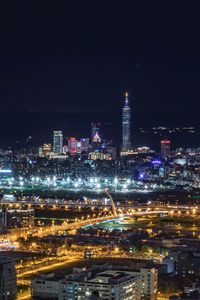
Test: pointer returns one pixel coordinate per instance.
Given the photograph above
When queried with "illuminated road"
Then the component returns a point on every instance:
(25, 277)
(49, 267)
(65, 204)
(25, 296)
(16, 233)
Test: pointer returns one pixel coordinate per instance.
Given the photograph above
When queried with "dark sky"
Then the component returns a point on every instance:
(82, 56)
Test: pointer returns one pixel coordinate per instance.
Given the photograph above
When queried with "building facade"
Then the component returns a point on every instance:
(165, 148)
(108, 283)
(8, 280)
(73, 146)
(85, 144)
(57, 142)
(13, 218)
(46, 150)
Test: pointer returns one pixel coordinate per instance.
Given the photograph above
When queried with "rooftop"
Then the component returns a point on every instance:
(4, 260)
(102, 274)
(111, 277)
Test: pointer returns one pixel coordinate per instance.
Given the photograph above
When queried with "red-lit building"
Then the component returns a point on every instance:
(165, 148)
(72, 145)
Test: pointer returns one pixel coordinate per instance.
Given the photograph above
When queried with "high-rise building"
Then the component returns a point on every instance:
(8, 281)
(96, 133)
(165, 148)
(96, 137)
(78, 147)
(72, 145)
(85, 144)
(126, 126)
(57, 142)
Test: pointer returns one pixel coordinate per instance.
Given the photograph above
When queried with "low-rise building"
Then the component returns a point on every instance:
(108, 282)
(8, 281)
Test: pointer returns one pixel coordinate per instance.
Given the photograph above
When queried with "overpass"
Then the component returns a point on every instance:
(56, 204)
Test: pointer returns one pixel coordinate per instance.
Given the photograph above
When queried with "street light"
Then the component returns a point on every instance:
(98, 185)
(75, 184)
(115, 180)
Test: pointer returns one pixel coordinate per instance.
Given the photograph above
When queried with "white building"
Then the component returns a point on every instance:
(99, 155)
(109, 283)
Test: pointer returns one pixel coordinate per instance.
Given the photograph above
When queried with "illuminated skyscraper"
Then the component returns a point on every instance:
(96, 137)
(96, 133)
(165, 148)
(72, 145)
(57, 142)
(126, 126)
(85, 144)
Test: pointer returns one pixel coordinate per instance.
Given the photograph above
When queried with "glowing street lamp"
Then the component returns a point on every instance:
(115, 180)
(194, 211)
(75, 184)
(116, 249)
(98, 185)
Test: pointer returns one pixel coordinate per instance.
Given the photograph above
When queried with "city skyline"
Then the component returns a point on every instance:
(147, 129)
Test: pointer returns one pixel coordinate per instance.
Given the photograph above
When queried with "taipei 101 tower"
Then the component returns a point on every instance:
(126, 126)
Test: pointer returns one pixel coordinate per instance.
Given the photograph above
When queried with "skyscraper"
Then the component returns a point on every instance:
(85, 144)
(126, 126)
(57, 142)
(96, 132)
(165, 148)
(96, 137)
(72, 145)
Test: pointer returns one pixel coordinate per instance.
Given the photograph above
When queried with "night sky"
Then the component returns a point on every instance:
(82, 56)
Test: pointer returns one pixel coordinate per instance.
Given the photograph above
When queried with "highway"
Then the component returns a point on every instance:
(67, 204)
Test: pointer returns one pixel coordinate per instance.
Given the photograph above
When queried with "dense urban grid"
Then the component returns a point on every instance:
(84, 219)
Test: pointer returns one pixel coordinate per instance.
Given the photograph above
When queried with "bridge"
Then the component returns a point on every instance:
(61, 204)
